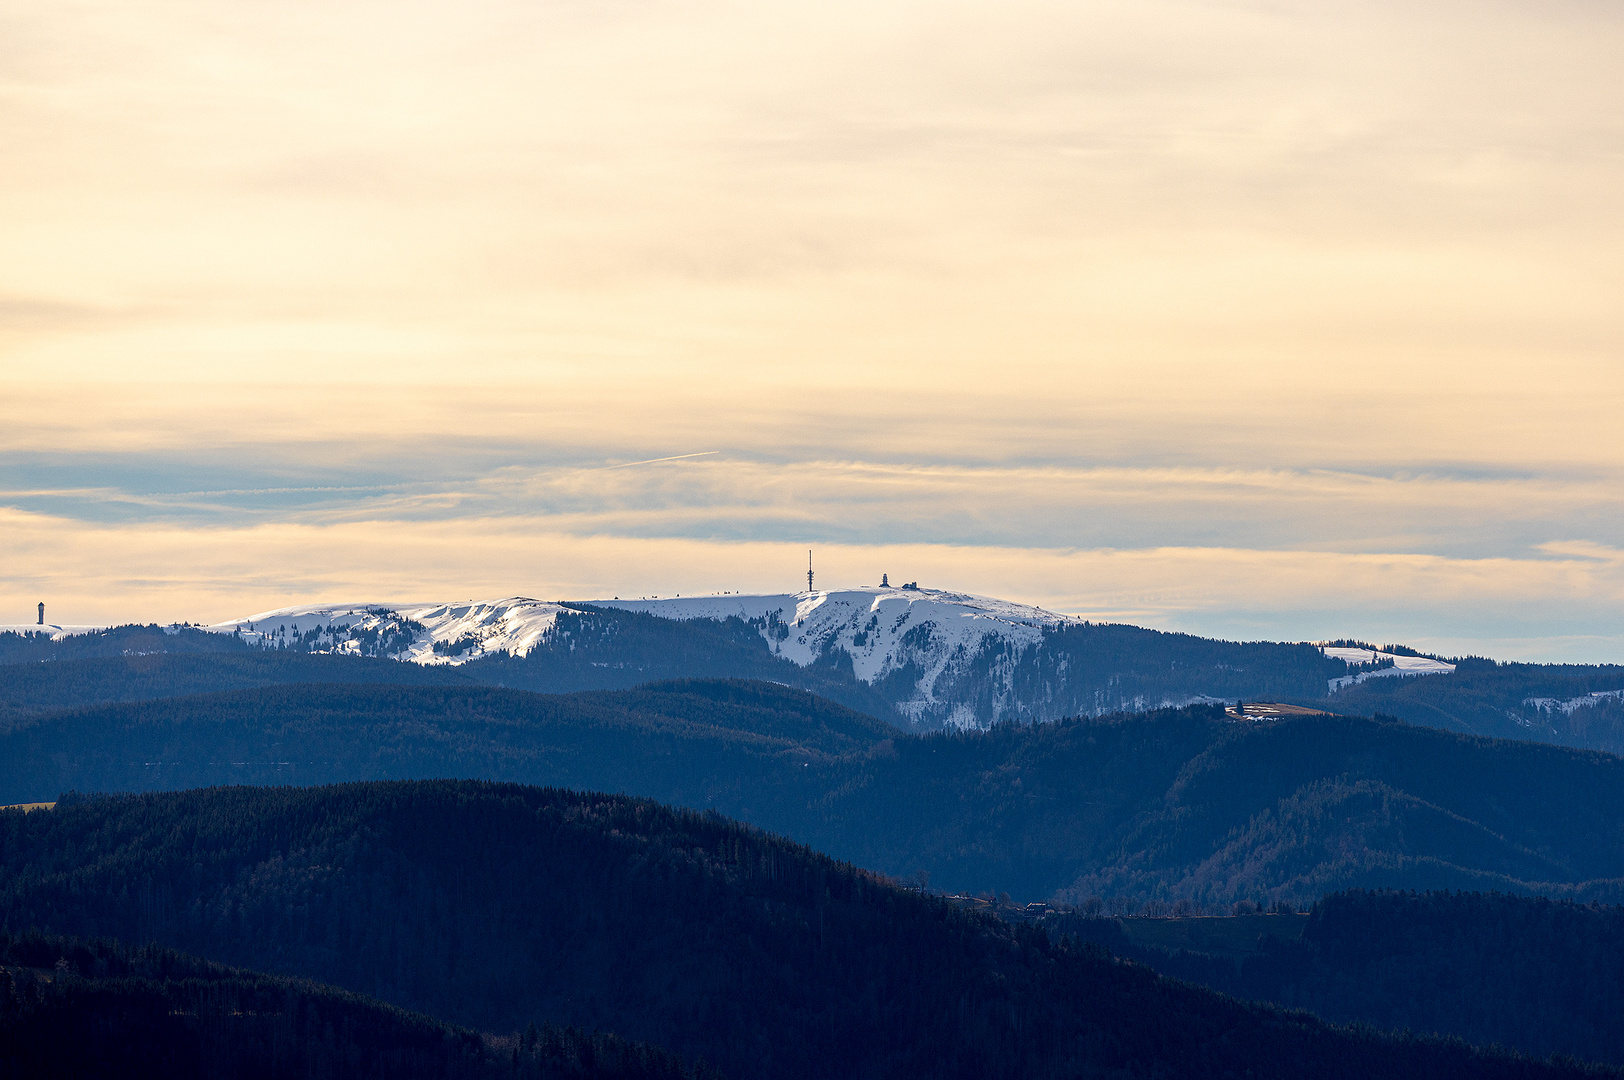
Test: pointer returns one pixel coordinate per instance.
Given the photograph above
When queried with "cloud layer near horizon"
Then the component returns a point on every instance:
(1269, 320)
(210, 574)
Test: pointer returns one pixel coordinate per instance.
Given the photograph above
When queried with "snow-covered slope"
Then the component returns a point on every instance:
(881, 628)
(1402, 665)
(1569, 705)
(54, 631)
(421, 633)
(938, 658)
(921, 633)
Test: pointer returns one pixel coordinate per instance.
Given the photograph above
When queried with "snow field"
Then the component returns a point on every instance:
(1402, 665)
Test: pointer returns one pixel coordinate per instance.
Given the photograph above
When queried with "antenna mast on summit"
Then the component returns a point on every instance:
(808, 569)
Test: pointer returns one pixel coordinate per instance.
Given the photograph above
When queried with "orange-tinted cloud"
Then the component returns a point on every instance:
(1348, 271)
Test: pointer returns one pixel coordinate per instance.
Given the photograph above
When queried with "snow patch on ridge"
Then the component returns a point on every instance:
(420, 633)
(1402, 665)
(1595, 697)
(877, 626)
(924, 633)
(883, 629)
(54, 631)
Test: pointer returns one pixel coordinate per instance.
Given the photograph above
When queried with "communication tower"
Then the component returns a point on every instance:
(809, 570)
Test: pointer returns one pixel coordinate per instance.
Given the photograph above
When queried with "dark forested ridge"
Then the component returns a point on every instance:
(495, 906)
(587, 649)
(1087, 669)
(1536, 975)
(94, 1009)
(492, 904)
(1176, 804)
(31, 689)
(604, 649)
(690, 742)
(30, 647)
(1095, 669)
(1568, 704)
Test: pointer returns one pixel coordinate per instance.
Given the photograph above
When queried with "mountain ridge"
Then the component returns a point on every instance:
(485, 903)
(92, 1009)
(923, 659)
(1176, 804)
(940, 658)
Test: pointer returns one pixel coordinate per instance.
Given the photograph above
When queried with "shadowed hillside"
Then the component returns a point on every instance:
(1082, 669)
(31, 689)
(587, 649)
(1540, 976)
(98, 1009)
(1568, 704)
(133, 639)
(488, 904)
(1178, 804)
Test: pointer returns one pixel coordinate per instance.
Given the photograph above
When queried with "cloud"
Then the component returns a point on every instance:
(163, 573)
(1304, 282)
(1583, 549)
(743, 494)
(384, 192)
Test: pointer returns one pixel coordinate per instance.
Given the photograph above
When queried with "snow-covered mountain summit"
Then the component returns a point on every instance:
(880, 627)
(937, 658)
(923, 637)
(419, 633)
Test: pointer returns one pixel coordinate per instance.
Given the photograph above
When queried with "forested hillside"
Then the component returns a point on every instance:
(491, 904)
(1177, 804)
(1095, 669)
(97, 1009)
(596, 649)
(1539, 976)
(683, 742)
(27, 689)
(587, 649)
(1080, 669)
(1568, 704)
(1075, 669)
(31, 647)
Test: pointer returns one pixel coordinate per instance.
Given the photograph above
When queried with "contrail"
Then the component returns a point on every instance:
(653, 460)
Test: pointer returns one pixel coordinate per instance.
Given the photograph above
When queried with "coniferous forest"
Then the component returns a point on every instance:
(277, 863)
(1169, 805)
(99, 1009)
(491, 904)
(1541, 976)
(1086, 670)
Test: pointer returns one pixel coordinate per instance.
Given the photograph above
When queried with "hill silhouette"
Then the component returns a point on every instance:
(487, 904)
(1567, 704)
(92, 1009)
(1541, 976)
(1088, 669)
(1175, 804)
(588, 649)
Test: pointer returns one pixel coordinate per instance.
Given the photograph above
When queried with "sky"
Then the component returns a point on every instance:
(1256, 320)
